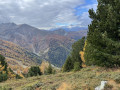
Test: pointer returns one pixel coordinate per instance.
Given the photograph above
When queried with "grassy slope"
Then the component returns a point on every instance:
(89, 77)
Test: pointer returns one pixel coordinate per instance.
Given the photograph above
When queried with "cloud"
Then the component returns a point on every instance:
(85, 20)
(40, 13)
(94, 6)
(83, 15)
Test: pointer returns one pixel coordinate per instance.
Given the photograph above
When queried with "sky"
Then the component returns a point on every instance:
(47, 14)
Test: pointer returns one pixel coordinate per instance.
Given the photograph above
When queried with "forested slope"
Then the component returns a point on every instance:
(18, 57)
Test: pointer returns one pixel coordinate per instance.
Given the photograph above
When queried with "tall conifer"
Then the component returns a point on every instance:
(103, 40)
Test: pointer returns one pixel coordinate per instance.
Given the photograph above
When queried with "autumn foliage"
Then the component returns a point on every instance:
(82, 53)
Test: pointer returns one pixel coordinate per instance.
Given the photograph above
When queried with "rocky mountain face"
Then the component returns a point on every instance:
(53, 46)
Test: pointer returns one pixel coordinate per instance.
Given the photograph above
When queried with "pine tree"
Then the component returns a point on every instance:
(68, 65)
(103, 40)
(34, 71)
(77, 66)
(75, 56)
(3, 69)
(76, 48)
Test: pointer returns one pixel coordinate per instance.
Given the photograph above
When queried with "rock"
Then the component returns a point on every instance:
(101, 87)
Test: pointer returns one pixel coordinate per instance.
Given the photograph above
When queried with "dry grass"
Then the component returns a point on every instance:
(65, 86)
(86, 79)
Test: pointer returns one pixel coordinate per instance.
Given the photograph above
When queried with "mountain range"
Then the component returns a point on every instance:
(53, 46)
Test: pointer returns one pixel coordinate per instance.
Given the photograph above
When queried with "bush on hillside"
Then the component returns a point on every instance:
(117, 80)
(108, 87)
(18, 76)
(3, 77)
(34, 71)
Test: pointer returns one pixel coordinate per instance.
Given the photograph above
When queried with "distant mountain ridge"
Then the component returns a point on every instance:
(53, 46)
(70, 28)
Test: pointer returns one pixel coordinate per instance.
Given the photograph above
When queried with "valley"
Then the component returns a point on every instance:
(60, 45)
(52, 46)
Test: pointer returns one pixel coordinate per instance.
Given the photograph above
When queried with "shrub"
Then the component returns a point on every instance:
(34, 71)
(5, 88)
(108, 87)
(29, 88)
(117, 80)
(18, 76)
(33, 87)
(3, 77)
